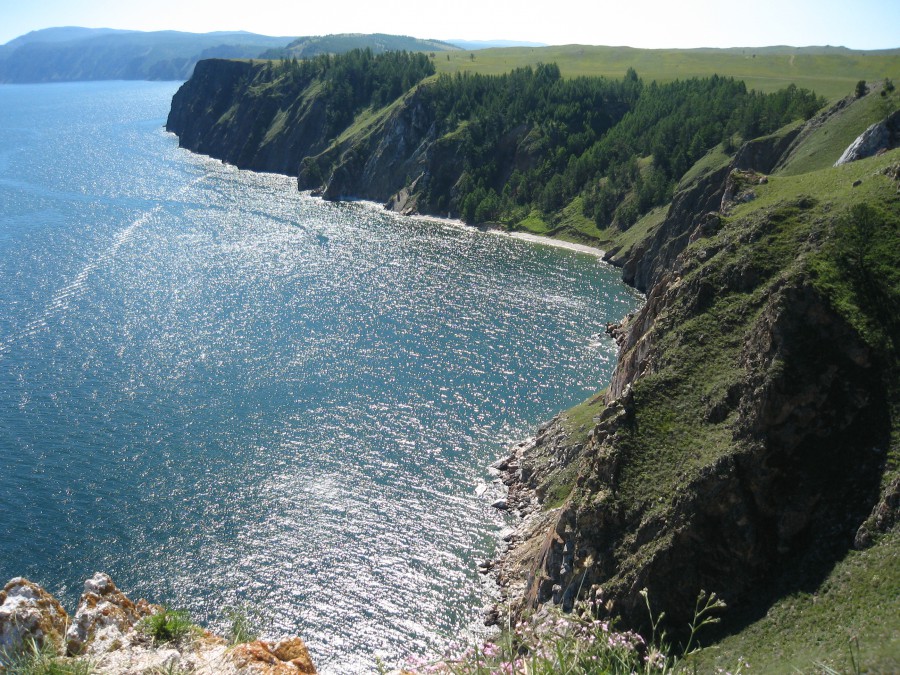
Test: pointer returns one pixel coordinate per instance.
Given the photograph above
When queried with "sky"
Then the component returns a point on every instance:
(858, 24)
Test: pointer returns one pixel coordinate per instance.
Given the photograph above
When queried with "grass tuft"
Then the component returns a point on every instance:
(35, 660)
(243, 625)
(167, 626)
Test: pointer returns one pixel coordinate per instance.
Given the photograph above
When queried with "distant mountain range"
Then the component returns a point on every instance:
(74, 53)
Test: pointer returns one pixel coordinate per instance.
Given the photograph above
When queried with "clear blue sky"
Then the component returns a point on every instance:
(859, 24)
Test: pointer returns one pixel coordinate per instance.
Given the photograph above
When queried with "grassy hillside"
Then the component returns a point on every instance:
(848, 623)
(832, 74)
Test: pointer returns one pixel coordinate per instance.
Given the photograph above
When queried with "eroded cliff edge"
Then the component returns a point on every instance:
(749, 437)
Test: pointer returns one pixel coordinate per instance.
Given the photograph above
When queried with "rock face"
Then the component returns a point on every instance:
(28, 613)
(106, 631)
(881, 136)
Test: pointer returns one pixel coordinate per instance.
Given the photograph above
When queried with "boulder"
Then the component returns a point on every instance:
(286, 657)
(884, 135)
(29, 614)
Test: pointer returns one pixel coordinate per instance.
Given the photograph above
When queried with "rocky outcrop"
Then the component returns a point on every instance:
(107, 631)
(104, 614)
(279, 658)
(879, 137)
(29, 614)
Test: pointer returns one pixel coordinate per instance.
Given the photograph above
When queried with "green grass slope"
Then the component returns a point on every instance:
(847, 624)
(824, 144)
(832, 74)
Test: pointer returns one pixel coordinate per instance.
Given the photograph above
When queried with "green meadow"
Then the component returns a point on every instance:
(832, 73)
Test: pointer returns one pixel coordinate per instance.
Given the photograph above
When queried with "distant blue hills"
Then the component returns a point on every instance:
(73, 53)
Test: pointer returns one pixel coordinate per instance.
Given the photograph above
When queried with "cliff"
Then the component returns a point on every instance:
(392, 155)
(748, 441)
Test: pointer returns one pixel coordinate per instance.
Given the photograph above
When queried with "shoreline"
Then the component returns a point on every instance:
(488, 229)
(557, 243)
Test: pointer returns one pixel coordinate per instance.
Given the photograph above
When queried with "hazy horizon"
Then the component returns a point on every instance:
(866, 25)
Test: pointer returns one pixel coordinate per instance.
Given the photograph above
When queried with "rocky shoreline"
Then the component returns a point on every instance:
(522, 472)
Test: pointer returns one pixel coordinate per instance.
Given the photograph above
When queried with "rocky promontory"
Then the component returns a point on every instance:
(116, 636)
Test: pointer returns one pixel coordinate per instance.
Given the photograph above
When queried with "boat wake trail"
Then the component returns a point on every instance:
(61, 300)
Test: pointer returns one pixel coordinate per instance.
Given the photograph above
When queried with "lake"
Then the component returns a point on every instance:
(226, 393)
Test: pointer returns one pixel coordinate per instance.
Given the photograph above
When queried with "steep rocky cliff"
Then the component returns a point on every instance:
(393, 155)
(748, 439)
(216, 113)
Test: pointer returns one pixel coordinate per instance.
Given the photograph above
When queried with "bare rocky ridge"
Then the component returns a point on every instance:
(105, 633)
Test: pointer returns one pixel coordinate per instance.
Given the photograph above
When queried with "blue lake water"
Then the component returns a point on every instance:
(223, 392)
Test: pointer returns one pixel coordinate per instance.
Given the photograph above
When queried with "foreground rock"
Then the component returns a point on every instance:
(106, 631)
(104, 615)
(28, 613)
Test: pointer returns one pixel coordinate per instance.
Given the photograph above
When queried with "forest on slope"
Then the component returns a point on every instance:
(526, 141)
